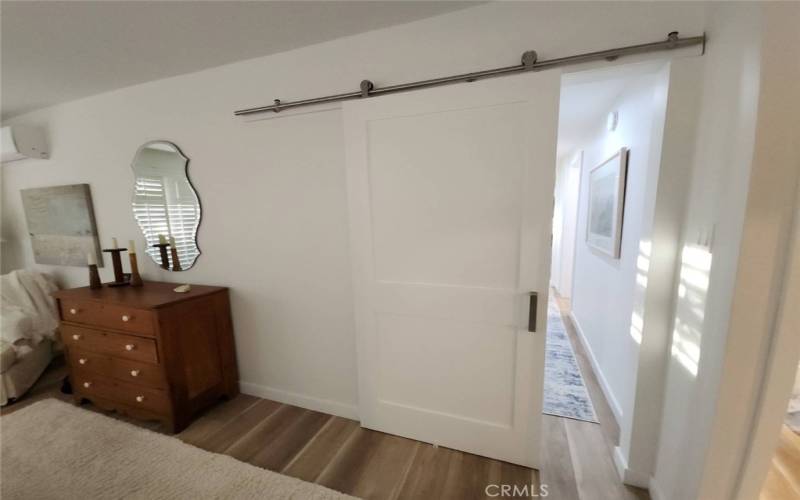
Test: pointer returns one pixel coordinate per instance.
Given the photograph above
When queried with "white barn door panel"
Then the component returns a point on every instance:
(451, 197)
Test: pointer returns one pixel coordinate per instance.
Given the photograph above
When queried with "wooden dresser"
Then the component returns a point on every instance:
(148, 351)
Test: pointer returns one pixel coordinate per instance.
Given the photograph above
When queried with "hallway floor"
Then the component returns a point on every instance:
(588, 471)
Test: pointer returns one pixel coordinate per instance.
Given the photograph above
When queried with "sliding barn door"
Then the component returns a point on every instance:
(451, 199)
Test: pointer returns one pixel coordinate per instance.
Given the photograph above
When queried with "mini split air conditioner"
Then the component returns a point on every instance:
(20, 142)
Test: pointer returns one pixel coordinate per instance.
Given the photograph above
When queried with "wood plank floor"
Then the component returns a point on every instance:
(783, 479)
(338, 453)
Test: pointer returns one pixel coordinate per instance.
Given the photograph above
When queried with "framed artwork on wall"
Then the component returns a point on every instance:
(606, 204)
(61, 225)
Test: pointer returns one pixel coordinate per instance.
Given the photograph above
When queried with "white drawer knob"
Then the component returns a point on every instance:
(76, 337)
(129, 347)
(82, 361)
(134, 373)
(126, 318)
(73, 311)
(139, 399)
(87, 384)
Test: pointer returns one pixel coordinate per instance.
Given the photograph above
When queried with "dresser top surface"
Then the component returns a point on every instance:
(152, 294)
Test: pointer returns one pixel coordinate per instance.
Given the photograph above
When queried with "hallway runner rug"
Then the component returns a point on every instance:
(565, 393)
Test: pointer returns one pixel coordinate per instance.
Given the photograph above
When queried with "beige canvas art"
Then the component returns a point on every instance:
(61, 224)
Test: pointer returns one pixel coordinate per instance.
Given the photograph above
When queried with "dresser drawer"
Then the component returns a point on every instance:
(127, 370)
(112, 316)
(114, 344)
(88, 384)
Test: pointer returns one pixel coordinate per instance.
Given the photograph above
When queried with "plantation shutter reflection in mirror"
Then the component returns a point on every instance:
(150, 208)
(165, 203)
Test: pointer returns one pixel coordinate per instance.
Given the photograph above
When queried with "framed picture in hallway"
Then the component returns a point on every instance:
(606, 204)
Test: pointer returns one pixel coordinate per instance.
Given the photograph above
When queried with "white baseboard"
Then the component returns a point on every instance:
(628, 475)
(656, 493)
(311, 403)
(612, 401)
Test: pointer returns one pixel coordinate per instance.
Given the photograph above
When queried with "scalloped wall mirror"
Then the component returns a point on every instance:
(165, 204)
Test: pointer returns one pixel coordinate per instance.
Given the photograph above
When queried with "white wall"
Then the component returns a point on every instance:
(657, 268)
(627, 304)
(558, 222)
(565, 219)
(769, 183)
(603, 287)
(704, 334)
(273, 192)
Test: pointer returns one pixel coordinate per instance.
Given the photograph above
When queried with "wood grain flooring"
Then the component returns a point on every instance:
(338, 453)
(783, 479)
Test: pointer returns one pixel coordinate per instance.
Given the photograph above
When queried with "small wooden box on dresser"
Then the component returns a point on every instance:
(148, 351)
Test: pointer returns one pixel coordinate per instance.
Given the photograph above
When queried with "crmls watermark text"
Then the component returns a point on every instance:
(517, 490)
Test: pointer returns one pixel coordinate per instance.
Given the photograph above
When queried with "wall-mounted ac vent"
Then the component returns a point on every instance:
(21, 142)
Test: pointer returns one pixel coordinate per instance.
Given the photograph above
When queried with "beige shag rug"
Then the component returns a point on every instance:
(53, 450)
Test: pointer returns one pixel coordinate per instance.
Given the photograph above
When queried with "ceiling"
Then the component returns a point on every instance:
(54, 52)
(588, 96)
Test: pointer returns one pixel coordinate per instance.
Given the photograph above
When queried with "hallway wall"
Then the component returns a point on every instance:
(603, 287)
(565, 218)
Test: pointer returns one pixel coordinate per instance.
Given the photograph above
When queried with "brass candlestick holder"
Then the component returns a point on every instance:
(176, 262)
(119, 276)
(94, 277)
(136, 279)
(162, 247)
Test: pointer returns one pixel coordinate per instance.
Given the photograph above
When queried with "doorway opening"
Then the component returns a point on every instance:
(610, 134)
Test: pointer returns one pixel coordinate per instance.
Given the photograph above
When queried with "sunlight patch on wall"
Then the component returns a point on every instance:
(690, 307)
(645, 247)
(636, 327)
(685, 347)
(642, 268)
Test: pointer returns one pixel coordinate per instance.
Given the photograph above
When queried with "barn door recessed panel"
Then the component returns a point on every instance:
(462, 227)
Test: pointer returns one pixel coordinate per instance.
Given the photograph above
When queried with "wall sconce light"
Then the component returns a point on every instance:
(612, 120)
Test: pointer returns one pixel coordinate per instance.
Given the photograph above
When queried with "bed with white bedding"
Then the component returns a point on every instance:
(28, 330)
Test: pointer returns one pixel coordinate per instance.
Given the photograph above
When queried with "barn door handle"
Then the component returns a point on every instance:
(532, 312)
